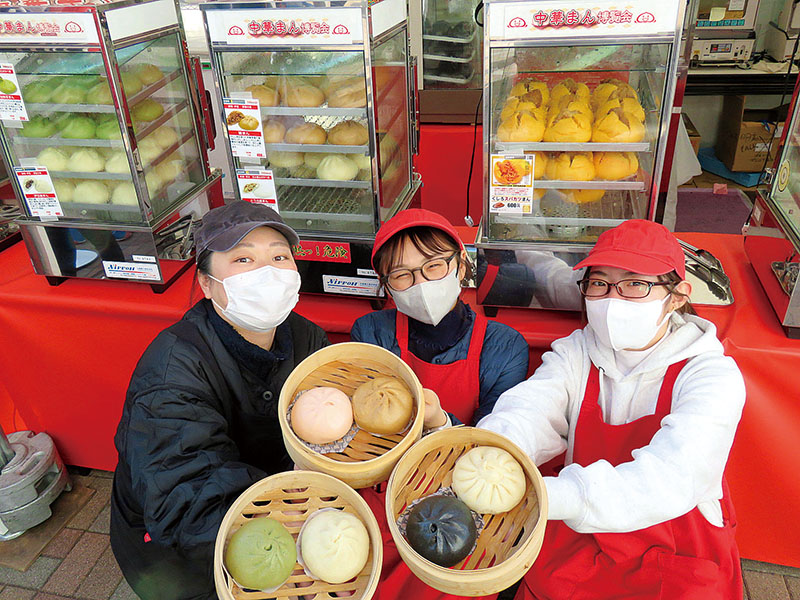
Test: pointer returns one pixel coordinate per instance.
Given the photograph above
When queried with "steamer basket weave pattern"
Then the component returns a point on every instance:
(368, 459)
(509, 542)
(282, 497)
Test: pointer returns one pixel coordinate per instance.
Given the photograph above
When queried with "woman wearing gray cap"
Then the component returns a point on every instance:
(200, 421)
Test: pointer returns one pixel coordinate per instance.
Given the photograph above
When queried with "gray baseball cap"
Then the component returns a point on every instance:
(224, 227)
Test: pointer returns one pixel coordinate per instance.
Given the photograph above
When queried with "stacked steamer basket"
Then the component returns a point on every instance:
(368, 458)
(291, 498)
(509, 541)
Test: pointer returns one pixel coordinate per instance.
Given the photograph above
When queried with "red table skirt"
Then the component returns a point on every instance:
(67, 353)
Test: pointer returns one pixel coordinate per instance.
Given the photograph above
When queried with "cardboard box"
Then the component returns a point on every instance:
(745, 134)
(694, 135)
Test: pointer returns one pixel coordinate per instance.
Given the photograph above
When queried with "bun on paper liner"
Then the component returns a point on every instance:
(382, 405)
(333, 545)
(488, 480)
(261, 554)
(441, 529)
(322, 415)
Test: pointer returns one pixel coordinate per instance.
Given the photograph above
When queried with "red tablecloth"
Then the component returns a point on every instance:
(67, 353)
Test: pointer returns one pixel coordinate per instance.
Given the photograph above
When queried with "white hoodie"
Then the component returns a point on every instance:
(679, 469)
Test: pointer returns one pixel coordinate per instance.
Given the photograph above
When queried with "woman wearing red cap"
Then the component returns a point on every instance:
(464, 359)
(645, 404)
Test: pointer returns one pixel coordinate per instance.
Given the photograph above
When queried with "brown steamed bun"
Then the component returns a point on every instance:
(348, 133)
(569, 126)
(522, 126)
(618, 127)
(274, 131)
(383, 405)
(300, 93)
(306, 133)
(266, 96)
(571, 166)
(531, 85)
(612, 166)
(322, 415)
(569, 86)
(347, 93)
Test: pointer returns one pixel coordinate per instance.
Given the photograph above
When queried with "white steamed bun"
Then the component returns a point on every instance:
(488, 480)
(334, 545)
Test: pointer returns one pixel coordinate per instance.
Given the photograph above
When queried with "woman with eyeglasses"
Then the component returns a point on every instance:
(464, 361)
(645, 404)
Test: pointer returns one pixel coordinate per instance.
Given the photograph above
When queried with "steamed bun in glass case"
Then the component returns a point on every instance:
(489, 480)
(334, 545)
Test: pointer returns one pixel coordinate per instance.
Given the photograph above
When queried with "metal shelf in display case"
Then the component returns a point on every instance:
(336, 113)
(577, 101)
(105, 135)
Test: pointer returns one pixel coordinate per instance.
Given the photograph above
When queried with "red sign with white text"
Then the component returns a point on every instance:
(323, 251)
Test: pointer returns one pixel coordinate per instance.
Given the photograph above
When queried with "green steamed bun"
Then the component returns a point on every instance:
(261, 554)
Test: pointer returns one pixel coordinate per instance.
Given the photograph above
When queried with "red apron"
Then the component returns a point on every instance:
(686, 558)
(458, 386)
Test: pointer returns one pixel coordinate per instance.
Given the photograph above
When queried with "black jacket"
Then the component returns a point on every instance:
(198, 428)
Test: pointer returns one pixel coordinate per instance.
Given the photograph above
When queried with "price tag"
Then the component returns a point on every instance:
(511, 188)
(12, 107)
(243, 120)
(257, 186)
(39, 193)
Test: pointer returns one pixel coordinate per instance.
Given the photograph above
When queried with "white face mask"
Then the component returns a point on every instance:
(429, 301)
(625, 325)
(261, 299)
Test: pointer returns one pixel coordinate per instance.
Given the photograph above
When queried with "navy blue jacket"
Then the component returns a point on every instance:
(504, 358)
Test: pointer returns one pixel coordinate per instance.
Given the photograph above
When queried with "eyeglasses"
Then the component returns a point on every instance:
(434, 269)
(627, 288)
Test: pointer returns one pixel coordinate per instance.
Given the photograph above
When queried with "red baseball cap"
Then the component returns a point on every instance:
(412, 217)
(638, 246)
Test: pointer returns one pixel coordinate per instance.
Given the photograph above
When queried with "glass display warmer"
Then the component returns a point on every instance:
(576, 115)
(448, 42)
(102, 128)
(772, 234)
(9, 210)
(319, 104)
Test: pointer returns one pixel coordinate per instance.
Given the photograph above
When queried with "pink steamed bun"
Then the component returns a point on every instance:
(322, 415)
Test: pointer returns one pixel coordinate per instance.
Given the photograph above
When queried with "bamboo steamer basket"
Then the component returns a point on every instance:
(278, 496)
(509, 542)
(368, 459)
